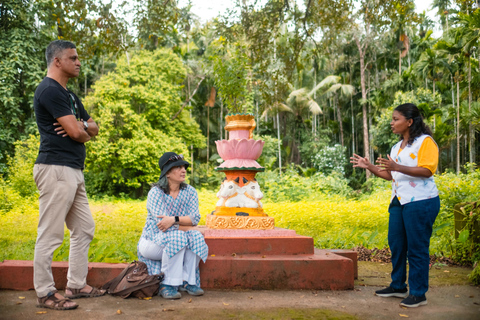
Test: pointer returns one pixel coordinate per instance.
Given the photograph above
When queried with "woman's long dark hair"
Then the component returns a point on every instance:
(418, 127)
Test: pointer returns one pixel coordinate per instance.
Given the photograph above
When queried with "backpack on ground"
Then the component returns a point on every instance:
(134, 281)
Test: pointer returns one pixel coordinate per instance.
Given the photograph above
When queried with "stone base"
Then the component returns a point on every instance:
(18, 274)
(274, 259)
(320, 271)
(239, 222)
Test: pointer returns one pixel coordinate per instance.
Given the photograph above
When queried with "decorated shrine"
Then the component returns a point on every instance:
(239, 205)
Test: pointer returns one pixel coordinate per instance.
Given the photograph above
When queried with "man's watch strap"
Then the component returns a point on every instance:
(85, 125)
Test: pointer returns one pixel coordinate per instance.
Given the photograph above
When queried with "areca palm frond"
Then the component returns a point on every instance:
(475, 115)
(275, 108)
(430, 63)
(467, 34)
(300, 100)
(313, 107)
(346, 90)
(327, 82)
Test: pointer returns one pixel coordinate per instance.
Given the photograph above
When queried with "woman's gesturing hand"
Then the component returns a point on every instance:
(387, 164)
(359, 161)
(165, 223)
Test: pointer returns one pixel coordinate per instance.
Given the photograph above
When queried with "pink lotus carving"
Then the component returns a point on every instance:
(240, 153)
(240, 149)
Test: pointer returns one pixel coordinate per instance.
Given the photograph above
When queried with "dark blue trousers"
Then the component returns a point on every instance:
(409, 232)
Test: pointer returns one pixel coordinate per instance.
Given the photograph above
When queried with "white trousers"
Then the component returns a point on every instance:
(181, 267)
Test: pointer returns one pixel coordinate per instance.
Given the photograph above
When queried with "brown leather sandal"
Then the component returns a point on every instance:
(58, 304)
(76, 293)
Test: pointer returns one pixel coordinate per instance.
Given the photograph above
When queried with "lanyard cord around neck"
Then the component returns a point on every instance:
(73, 104)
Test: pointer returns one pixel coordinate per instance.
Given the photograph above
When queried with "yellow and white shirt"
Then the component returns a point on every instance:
(423, 152)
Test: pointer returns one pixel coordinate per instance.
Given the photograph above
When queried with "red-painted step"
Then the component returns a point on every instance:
(257, 245)
(320, 271)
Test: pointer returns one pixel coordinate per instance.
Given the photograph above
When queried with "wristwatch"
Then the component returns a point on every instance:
(85, 125)
(177, 220)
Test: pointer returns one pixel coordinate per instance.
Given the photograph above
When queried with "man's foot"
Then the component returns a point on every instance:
(56, 301)
(85, 292)
(169, 292)
(391, 292)
(192, 290)
(413, 301)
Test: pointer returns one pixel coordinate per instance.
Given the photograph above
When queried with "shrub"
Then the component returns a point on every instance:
(291, 186)
(312, 145)
(138, 109)
(331, 159)
(207, 179)
(269, 156)
(453, 189)
(474, 277)
(20, 167)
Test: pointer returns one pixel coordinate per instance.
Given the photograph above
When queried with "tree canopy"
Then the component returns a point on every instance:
(315, 74)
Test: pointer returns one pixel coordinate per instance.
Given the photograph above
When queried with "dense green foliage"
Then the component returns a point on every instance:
(231, 72)
(21, 68)
(135, 107)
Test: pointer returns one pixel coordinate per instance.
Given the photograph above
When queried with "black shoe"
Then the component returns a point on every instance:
(391, 292)
(413, 301)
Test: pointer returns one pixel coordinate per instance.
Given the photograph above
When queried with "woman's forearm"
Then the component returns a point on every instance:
(379, 173)
(414, 171)
(185, 221)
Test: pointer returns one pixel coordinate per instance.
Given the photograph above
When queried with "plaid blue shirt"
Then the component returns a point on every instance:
(173, 240)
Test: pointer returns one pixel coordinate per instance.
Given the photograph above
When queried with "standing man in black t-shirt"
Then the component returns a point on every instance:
(64, 127)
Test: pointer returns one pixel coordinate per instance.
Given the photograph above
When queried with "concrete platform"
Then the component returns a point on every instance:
(257, 260)
(260, 245)
(18, 274)
(320, 271)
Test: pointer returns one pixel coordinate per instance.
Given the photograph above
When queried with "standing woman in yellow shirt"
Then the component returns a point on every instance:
(414, 206)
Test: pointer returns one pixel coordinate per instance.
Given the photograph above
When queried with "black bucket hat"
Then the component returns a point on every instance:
(169, 160)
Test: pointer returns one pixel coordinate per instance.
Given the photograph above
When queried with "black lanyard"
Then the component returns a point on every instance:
(73, 104)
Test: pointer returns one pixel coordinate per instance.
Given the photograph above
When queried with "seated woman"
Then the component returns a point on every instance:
(167, 243)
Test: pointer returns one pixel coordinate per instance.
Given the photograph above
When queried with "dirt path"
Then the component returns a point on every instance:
(450, 297)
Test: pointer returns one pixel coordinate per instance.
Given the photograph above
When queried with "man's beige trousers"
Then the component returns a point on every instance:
(63, 199)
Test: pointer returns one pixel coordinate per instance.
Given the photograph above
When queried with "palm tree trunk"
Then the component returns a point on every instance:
(279, 145)
(434, 116)
(339, 116)
(191, 146)
(458, 126)
(221, 118)
(470, 127)
(353, 126)
(369, 133)
(366, 140)
(453, 105)
(314, 122)
(399, 62)
(258, 121)
(208, 135)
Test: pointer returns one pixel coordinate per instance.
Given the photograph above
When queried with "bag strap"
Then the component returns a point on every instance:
(127, 291)
(115, 281)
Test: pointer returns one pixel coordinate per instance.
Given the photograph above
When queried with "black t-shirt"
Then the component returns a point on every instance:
(52, 101)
